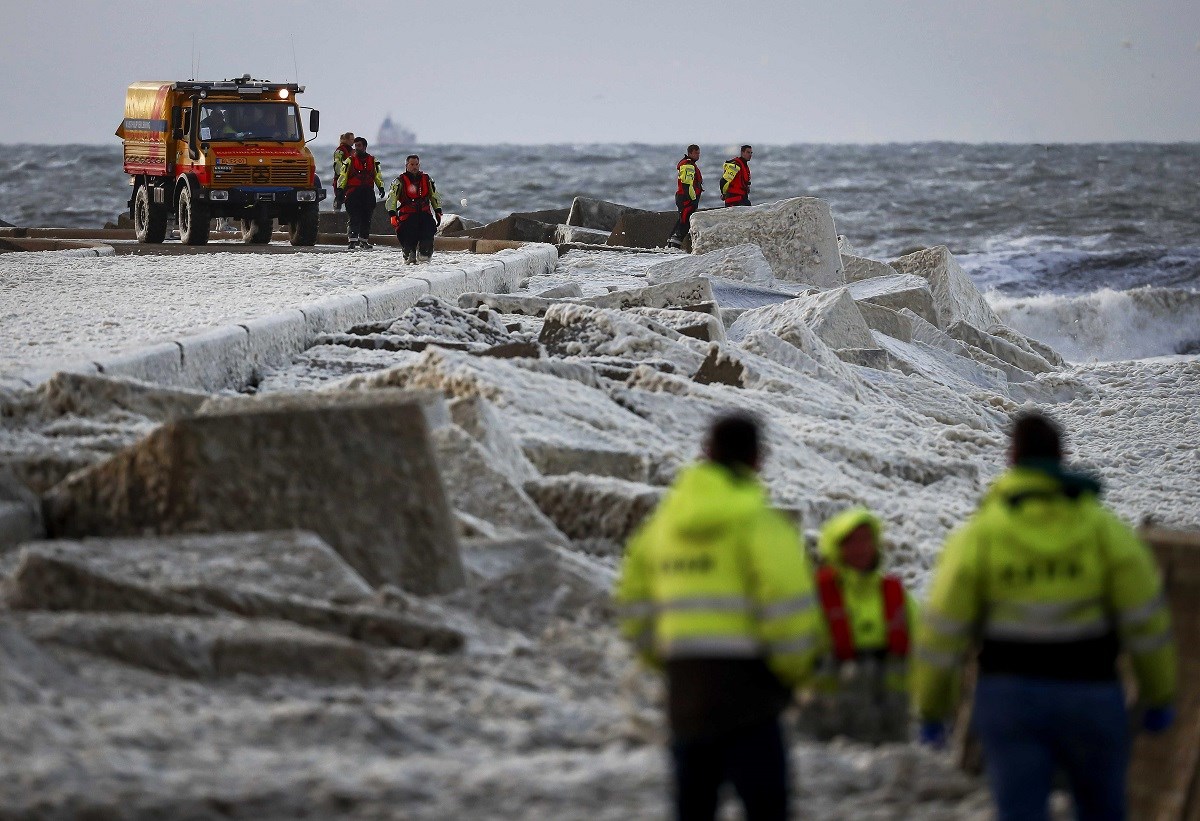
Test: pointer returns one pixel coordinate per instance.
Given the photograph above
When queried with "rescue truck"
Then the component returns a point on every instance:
(197, 150)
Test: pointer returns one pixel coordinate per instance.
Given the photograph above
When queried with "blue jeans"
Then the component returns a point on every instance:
(1032, 728)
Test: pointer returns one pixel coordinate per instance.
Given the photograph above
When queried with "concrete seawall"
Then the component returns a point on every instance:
(231, 356)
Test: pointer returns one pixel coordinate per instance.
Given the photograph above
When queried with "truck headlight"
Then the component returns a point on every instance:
(306, 196)
(218, 195)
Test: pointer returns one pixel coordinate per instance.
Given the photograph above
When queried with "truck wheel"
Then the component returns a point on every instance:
(303, 228)
(149, 217)
(257, 229)
(192, 215)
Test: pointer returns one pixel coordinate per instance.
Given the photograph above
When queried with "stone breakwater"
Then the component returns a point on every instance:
(374, 582)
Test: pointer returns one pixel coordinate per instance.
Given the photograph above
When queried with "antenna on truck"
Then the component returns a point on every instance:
(295, 65)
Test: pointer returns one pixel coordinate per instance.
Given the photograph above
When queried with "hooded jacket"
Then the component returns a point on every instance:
(1050, 584)
(862, 595)
(715, 588)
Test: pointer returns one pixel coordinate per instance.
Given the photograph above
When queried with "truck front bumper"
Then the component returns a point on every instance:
(249, 196)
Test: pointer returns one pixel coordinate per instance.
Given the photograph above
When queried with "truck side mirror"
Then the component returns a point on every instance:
(314, 121)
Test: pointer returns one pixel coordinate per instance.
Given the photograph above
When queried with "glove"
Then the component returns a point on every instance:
(439, 216)
(395, 221)
(933, 734)
(1158, 719)
(381, 194)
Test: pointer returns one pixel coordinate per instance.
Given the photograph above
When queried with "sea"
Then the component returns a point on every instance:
(1093, 247)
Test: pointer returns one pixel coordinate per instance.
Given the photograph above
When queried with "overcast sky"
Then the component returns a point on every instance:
(480, 71)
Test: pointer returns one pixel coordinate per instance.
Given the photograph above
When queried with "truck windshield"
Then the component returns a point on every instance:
(247, 122)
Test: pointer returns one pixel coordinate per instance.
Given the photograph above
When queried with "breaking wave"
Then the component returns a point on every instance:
(1108, 325)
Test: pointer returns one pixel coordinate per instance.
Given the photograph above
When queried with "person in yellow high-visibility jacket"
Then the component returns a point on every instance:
(861, 687)
(1051, 586)
(716, 591)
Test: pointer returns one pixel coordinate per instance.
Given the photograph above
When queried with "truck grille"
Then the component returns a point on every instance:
(286, 172)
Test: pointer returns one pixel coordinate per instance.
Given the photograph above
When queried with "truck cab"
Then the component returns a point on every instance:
(198, 150)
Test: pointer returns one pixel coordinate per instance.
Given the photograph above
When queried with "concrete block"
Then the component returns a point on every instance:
(444, 284)
(1000, 348)
(357, 468)
(598, 215)
(897, 292)
(479, 418)
(595, 507)
(678, 294)
(494, 277)
(557, 459)
(845, 247)
(161, 364)
(336, 313)
(273, 340)
(569, 290)
(391, 300)
(436, 321)
(446, 244)
(20, 512)
(885, 320)
(509, 304)
(700, 325)
(649, 229)
(797, 236)
(860, 268)
(720, 368)
(924, 331)
(738, 263)
(576, 233)
(514, 228)
(831, 315)
(581, 330)
(491, 246)
(874, 358)
(960, 374)
(216, 359)
(1028, 343)
(954, 294)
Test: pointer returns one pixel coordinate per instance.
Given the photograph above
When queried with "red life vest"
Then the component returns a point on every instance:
(738, 188)
(361, 172)
(834, 605)
(698, 183)
(413, 197)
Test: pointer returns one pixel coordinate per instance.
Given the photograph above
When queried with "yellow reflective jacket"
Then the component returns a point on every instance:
(716, 573)
(862, 595)
(341, 156)
(1041, 570)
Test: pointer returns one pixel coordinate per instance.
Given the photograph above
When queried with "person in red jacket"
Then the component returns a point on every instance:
(735, 181)
(359, 176)
(687, 193)
(415, 208)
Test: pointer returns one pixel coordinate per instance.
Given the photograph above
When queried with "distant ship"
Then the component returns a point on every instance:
(392, 133)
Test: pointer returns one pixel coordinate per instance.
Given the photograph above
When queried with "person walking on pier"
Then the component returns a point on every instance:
(735, 178)
(360, 176)
(415, 208)
(687, 193)
(1053, 586)
(716, 591)
(341, 155)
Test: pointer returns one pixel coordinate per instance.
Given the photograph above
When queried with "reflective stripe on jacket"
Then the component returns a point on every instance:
(341, 156)
(411, 195)
(360, 172)
(691, 181)
(715, 573)
(735, 180)
(1043, 572)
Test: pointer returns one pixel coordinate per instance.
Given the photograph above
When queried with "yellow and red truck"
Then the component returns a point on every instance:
(198, 150)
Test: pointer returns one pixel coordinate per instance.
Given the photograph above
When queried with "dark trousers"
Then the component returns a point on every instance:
(339, 197)
(731, 203)
(360, 207)
(416, 234)
(1032, 728)
(753, 760)
(687, 206)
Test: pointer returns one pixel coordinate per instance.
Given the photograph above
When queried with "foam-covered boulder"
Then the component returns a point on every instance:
(595, 507)
(954, 294)
(737, 263)
(831, 315)
(700, 325)
(555, 459)
(960, 374)
(20, 511)
(580, 330)
(675, 294)
(797, 236)
(897, 292)
(885, 320)
(860, 268)
(578, 234)
(435, 320)
(1026, 360)
(356, 468)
